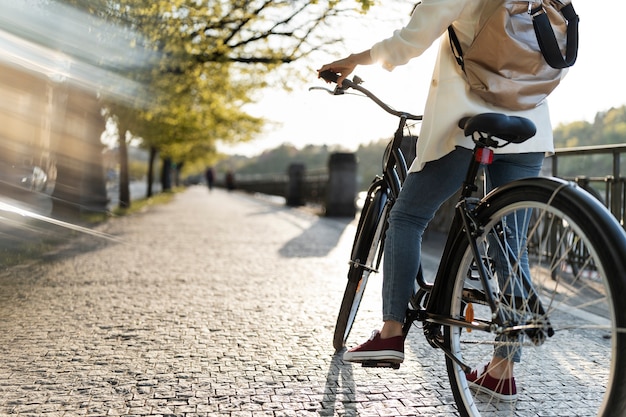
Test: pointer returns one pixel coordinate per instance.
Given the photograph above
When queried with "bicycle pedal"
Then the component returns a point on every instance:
(380, 364)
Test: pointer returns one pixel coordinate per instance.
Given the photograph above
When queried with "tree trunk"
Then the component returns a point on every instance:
(166, 175)
(153, 153)
(124, 175)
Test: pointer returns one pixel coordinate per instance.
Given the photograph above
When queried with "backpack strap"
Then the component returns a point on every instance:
(547, 41)
(455, 45)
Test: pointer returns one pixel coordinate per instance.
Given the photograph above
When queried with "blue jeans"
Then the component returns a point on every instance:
(422, 194)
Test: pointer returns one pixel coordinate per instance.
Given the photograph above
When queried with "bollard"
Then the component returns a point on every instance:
(341, 192)
(295, 185)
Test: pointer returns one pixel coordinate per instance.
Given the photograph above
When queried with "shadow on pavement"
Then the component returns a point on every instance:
(340, 389)
(318, 240)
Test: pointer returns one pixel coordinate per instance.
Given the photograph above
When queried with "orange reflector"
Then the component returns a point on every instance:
(469, 315)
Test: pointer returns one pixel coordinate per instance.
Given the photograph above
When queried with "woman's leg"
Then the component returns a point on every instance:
(504, 169)
(510, 167)
(422, 194)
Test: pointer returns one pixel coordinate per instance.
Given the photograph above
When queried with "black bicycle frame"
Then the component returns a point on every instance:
(394, 163)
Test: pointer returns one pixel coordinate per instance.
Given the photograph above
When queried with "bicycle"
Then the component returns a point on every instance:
(493, 289)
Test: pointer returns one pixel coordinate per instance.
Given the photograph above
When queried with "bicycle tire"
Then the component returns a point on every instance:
(365, 259)
(581, 368)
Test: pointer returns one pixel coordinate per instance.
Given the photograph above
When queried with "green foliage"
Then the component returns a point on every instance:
(573, 134)
(369, 159)
(366, 4)
(608, 128)
(144, 204)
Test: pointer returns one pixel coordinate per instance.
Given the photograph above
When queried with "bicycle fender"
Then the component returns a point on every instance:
(568, 192)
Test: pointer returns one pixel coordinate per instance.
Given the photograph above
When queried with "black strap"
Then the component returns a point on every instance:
(547, 41)
(455, 45)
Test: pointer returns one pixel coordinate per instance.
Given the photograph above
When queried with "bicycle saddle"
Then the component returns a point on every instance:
(512, 129)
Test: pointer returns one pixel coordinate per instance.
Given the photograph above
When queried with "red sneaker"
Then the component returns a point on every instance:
(377, 349)
(502, 389)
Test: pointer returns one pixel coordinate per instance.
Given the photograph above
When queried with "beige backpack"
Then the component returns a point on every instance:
(520, 51)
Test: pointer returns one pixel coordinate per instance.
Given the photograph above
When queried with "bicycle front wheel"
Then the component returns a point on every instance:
(365, 260)
(555, 261)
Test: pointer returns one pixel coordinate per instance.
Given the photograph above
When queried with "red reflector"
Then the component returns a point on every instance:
(484, 156)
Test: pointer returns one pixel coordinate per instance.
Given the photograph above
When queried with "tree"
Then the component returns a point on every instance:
(214, 56)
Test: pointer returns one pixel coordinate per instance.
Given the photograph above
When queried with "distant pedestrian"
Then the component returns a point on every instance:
(209, 174)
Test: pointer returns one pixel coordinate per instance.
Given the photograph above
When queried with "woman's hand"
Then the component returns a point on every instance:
(345, 66)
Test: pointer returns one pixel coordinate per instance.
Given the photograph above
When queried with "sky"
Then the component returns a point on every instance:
(595, 83)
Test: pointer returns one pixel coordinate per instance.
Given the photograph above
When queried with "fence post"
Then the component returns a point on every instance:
(295, 185)
(341, 192)
(616, 199)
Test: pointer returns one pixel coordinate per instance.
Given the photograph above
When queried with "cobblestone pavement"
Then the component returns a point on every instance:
(215, 304)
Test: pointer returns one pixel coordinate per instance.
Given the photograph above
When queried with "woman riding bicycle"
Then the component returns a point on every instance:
(443, 154)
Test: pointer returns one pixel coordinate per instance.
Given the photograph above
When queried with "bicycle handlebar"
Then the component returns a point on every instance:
(330, 76)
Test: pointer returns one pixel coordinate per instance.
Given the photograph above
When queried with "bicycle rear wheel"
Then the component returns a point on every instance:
(365, 259)
(566, 303)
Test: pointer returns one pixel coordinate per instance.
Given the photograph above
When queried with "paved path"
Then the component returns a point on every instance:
(215, 304)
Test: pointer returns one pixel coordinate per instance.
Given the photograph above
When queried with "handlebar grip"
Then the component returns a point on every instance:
(329, 76)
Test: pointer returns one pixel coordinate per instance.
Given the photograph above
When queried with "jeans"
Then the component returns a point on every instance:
(422, 194)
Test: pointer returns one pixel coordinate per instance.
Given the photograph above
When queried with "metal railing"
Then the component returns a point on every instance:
(313, 185)
(271, 184)
(610, 188)
(613, 185)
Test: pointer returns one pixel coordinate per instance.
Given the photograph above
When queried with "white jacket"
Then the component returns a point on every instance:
(449, 98)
